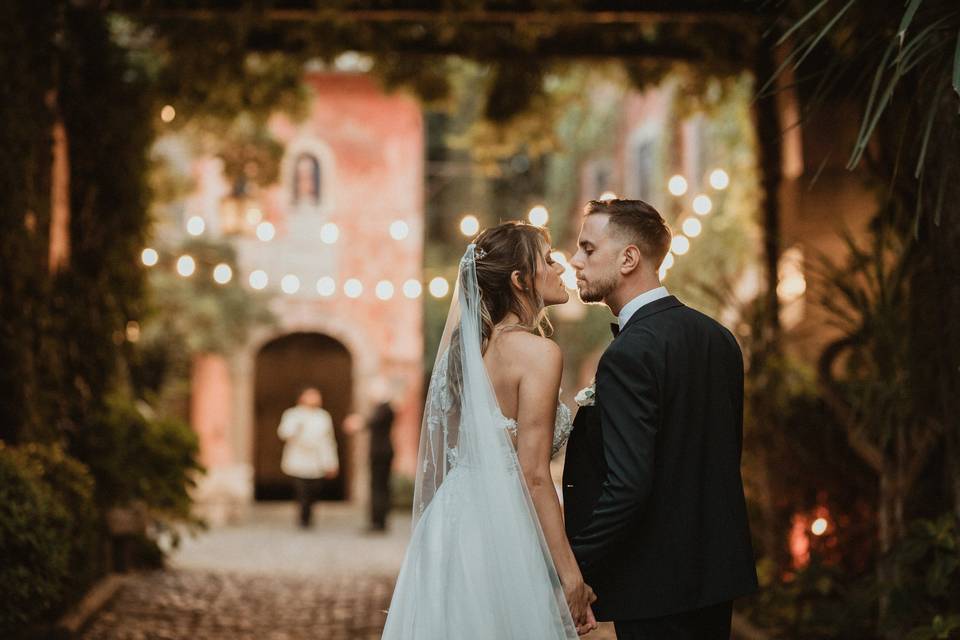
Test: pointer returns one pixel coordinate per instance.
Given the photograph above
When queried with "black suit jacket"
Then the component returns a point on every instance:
(653, 497)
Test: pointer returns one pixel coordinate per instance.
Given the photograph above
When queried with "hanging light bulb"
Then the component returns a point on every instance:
(680, 245)
(719, 179)
(692, 227)
(439, 287)
(353, 288)
(290, 284)
(412, 288)
(399, 230)
(266, 231)
(677, 185)
(149, 257)
(196, 225)
(384, 290)
(702, 205)
(222, 273)
(329, 233)
(259, 279)
(326, 286)
(186, 266)
(469, 225)
(539, 215)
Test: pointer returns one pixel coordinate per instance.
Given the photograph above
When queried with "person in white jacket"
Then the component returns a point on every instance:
(310, 448)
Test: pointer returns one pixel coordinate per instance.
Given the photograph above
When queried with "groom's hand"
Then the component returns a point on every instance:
(590, 625)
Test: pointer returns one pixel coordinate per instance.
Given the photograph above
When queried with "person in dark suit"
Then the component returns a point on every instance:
(653, 497)
(380, 424)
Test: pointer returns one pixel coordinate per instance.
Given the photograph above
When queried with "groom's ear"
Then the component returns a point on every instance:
(630, 259)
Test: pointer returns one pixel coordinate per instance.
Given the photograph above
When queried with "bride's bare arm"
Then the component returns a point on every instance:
(536, 413)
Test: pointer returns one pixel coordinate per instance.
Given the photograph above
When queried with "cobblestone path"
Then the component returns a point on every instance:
(264, 579)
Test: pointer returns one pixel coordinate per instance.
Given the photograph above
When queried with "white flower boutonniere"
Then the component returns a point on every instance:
(586, 396)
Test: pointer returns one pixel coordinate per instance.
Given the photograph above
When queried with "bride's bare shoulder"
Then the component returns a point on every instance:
(532, 352)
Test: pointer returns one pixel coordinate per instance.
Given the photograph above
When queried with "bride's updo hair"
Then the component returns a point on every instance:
(501, 250)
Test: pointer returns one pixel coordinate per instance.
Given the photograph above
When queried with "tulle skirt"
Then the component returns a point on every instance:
(476, 569)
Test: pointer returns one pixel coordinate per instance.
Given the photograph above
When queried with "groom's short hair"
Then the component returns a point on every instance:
(638, 223)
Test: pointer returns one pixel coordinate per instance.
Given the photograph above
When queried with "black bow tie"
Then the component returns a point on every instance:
(615, 329)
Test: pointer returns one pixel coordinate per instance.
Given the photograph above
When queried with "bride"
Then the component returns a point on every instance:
(488, 558)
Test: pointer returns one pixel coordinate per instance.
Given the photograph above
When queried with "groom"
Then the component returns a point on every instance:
(653, 498)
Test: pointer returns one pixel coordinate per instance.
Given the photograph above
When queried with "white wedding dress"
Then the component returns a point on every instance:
(477, 566)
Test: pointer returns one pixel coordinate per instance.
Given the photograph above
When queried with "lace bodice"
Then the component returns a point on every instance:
(562, 426)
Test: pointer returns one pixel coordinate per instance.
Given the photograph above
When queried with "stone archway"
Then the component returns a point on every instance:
(282, 367)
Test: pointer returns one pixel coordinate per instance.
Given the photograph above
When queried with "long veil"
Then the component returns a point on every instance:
(477, 566)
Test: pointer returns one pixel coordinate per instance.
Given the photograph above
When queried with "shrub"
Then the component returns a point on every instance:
(45, 507)
(136, 458)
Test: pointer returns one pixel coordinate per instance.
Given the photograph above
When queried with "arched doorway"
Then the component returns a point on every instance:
(283, 367)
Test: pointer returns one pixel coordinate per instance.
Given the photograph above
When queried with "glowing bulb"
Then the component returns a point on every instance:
(663, 273)
(399, 230)
(266, 231)
(608, 195)
(168, 113)
(353, 288)
(329, 233)
(149, 257)
(290, 283)
(677, 185)
(222, 273)
(439, 287)
(412, 288)
(680, 245)
(259, 279)
(569, 276)
(719, 179)
(558, 257)
(186, 266)
(702, 205)
(384, 290)
(668, 261)
(196, 225)
(326, 286)
(469, 225)
(819, 526)
(692, 227)
(538, 215)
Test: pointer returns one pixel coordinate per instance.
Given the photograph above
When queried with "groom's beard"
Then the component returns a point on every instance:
(598, 290)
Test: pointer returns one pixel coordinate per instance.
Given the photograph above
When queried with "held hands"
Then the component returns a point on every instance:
(579, 597)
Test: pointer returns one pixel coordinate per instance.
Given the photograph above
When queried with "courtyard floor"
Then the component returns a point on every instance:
(265, 579)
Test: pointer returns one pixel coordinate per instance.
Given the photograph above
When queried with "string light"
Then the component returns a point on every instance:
(186, 266)
(259, 279)
(680, 245)
(384, 290)
(399, 230)
(439, 287)
(539, 215)
(412, 288)
(663, 273)
(222, 273)
(353, 288)
(266, 231)
(469, 225)
(196, 225)
(692, 227)
(326, 286)
(290, 284)
(168, 113)
(719, 179)
(677, 185)
(149, 257)
(608, 195)
(668, 261)
(819, 526)
(329, 233)
(702, 205)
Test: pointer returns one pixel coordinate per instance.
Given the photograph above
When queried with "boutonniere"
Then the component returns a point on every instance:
(586, 396)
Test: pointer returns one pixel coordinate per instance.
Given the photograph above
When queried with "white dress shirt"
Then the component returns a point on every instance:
(310, 449)
(644, 298)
